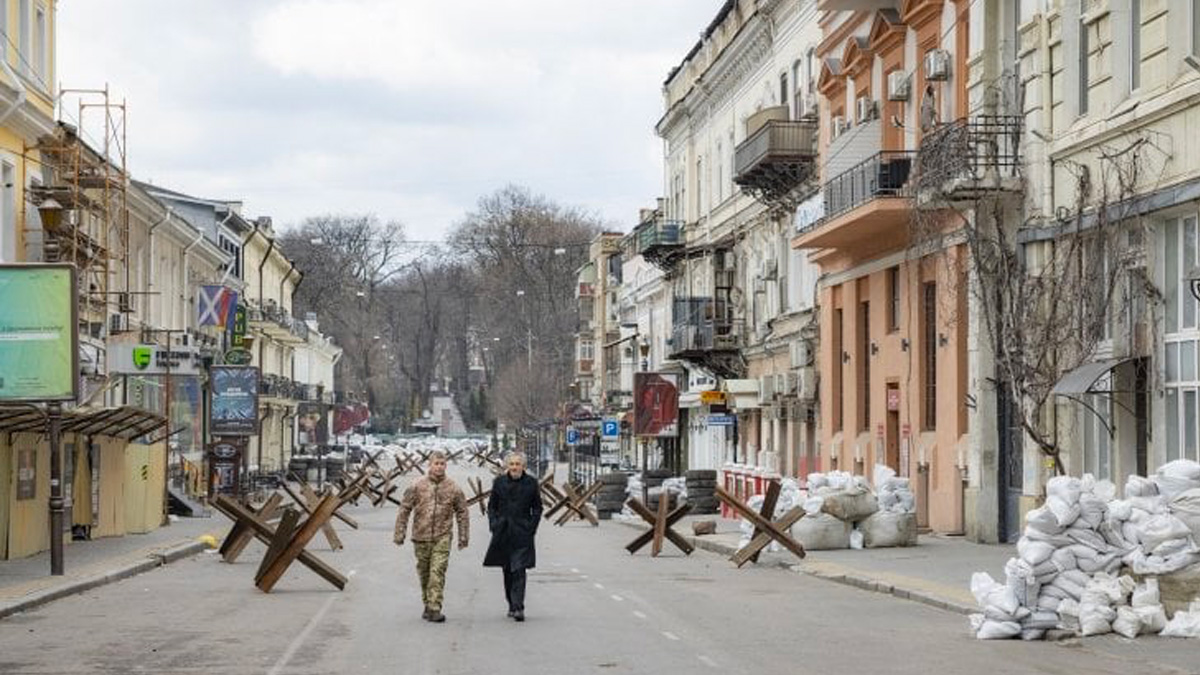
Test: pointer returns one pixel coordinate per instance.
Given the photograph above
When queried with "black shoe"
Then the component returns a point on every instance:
(436, 616)
(518, 615)
(512, 613)
(426, 614)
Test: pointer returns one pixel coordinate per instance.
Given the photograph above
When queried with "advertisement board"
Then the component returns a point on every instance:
(656, 405)
(313, 423)
(225, 463)
(234, 408)
(143, 359)
(39, 337)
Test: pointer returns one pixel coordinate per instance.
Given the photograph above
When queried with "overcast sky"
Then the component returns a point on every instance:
(410, 109)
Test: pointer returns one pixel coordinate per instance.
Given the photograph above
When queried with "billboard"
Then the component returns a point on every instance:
(141, 359)
(313, 423)
(234, 409)
(39, 349)
(656, 405)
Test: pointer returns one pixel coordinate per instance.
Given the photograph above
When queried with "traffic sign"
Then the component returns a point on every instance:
(721, 420)
(610, 429)
(572, 437)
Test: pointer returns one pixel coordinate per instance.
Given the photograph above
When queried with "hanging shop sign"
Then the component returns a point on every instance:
(139, 359)
(39, 337)
(225, 465)
(712, 397)
(238, 357)
(234, 408)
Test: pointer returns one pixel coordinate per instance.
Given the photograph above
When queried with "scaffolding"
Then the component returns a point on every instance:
(83, 201)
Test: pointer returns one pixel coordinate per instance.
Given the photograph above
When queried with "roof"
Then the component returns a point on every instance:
(124, 422)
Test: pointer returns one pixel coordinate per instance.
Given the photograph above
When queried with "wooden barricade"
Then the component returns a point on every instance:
(661, 526)
(765, 528)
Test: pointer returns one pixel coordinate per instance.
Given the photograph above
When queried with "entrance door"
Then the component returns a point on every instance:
(892, 437)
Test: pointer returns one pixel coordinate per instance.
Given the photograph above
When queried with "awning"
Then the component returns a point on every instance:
(1081, 380)
(124, 422)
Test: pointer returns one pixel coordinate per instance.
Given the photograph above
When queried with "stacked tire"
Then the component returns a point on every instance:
(701, 487)
(654, 481)
(611, 497)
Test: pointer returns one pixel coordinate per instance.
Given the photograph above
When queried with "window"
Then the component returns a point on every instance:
(930, 345)
(587, 350)
(39, 43)
(720, 188)
(8, 214)
(1084, 50)
(783, 89)
(1181, 365)
(699, 187)
(864, 354)
(1196, 27)
(232, 248)
(893, 285)
(1135, 43)
(23, 35)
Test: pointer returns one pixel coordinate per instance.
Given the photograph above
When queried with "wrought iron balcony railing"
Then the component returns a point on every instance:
(884, 174)
(970, 149)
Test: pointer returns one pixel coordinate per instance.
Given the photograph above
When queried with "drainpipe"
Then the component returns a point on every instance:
(261, 265)
(1047, 114)
(150, 236)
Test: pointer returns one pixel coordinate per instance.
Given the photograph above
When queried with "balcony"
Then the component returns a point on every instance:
(777, 161)
(868, 204)
(964, 159)
(659, 241)
(705, 332)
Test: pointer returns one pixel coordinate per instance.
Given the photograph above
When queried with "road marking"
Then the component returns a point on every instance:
(599, 587)
(639, 614)
(618, 598)
(352, 573)
(583, 576)
(707, 661)
(574, 570)
(670, 636)
(298, 641)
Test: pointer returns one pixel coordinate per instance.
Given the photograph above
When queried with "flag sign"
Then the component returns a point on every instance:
(215, 305)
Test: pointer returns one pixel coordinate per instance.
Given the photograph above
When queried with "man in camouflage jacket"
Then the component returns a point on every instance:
(435, 502)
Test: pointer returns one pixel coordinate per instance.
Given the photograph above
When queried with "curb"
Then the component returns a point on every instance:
(858, 581)
(152, 562)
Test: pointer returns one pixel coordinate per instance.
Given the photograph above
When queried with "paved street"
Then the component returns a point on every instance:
(592, 608)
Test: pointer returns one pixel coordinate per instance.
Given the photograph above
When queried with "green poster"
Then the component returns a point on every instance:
(38, 354)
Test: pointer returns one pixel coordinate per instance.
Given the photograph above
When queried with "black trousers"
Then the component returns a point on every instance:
(514, 589)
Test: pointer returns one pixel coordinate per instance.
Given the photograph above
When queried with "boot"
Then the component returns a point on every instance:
(436, 616)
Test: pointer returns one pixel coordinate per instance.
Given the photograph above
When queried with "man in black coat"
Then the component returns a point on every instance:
(514, 511)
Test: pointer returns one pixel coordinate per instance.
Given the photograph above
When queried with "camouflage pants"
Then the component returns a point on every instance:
(432, 559)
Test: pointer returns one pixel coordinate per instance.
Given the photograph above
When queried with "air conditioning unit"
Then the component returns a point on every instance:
(806, 386)
(766, 388)
(937, 65)
(865, 109)
(801, 354)
(899, 86)
(838, 125)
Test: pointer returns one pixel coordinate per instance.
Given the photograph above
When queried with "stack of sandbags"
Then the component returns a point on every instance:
(1143, 527)
(895, 523)
(790, 496)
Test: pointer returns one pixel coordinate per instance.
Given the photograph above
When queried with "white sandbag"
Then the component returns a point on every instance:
(1186, 507)
(1091, 510)
(882, 474)
(1088, 538)
(1095, 619)
(886, 529)
(1064, 559)
(1173, 546)
(991, 594)
(1161, 528)
(1127, 623)
(908, 502)
(822, 532)
(812, 505)
(1138, 486)
(1065, 513)
(1104, 490)
(1032, 634)
(1021, 581)
(1047, 603)
(1065, 488)
(1143, 564)
(1175, 478)
(1154, 619)
(998, 630)
(1068, 615)
(1185, 624)
(1119, 510)
(1041, 620)
(1145, 594)
(852, 504)
(1042, 520)
(856, 540)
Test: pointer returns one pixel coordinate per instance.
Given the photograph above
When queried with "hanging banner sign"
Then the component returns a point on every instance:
(234, 409)
(39, 334)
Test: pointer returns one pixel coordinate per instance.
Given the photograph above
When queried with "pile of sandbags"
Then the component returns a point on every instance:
(1068, 571)
(895, 523)
(790, 496)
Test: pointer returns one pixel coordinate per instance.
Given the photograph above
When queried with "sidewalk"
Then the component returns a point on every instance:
(26, 583)
(936, 572)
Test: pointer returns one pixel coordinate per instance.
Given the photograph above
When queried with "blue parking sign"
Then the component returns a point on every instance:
(610, 429)
(572, 437)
